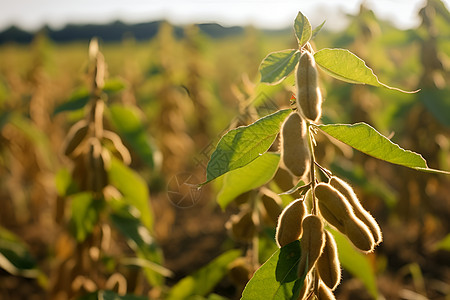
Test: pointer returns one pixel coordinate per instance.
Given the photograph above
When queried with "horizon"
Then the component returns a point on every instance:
(58, 14)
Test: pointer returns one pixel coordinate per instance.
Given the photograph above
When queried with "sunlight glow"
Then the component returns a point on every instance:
(31, 14)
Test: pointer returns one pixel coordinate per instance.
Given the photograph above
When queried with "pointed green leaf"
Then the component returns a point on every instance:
(346, 66)
(302, 29)
(242, 145)
(114, 85)
(276, 66)
(63, 179)
(355, 262)
(434, 171)
(15, 257)
(77, 100)
(80, 97)
(128, 122)
(64, 183)
(133, 188)
(140, 240)
(132, 228)
(443, 244)
(300, 186)
(277, 278)
(249, 177)
(366, 139)
(317, 29)
(204, 280)
(85, 211)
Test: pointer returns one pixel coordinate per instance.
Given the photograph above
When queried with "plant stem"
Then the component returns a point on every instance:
(312, 171)
(325, 171)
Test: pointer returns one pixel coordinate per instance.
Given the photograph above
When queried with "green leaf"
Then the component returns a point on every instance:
(277, 278)
(302, 29)
(266, 243)
(15, 257)
(204, 280)
(128, 122)
(140, 240)
(63, 180)
(247, 178)
(276, 66)
(434, 171)
(300, 185)
(366, 139)
(81, 96)
(85, 211)
(355, 262)
(77, 100)
(316, 30)
(110, 295)
(444, 244)
(64, 183)
(113, 85)
(133, 188)
(132, 228)
(346, 66)
(242, 145)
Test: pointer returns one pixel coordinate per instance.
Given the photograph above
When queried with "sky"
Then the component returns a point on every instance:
(270, 14)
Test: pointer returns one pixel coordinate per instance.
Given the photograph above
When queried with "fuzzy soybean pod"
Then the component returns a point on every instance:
(309, 97)
(335, 208)
(75, 137)
(295, 153)
(289, 227)
(312, 243)
(240, 271)
(360, 235)
(271, 206)
(358, 209)
(118, 145)
(241, 226)
(324, 293)
(328, 264)
(98, 161)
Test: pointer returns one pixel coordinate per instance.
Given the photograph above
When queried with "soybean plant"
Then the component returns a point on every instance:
(307, 264)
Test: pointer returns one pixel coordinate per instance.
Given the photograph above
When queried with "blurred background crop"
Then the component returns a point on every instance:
(164, 81)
